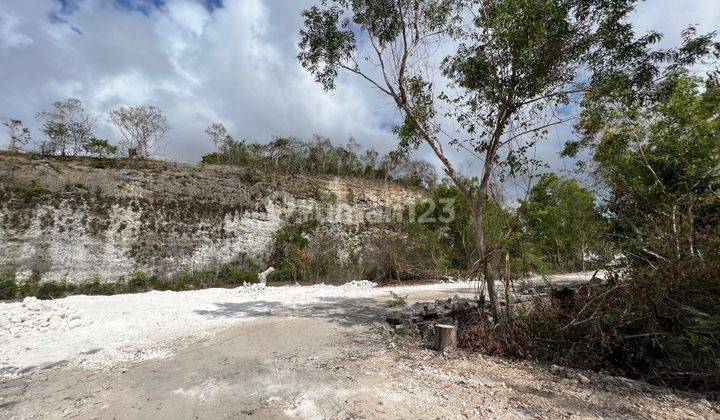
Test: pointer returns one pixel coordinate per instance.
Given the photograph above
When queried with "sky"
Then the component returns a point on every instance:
(228, 61)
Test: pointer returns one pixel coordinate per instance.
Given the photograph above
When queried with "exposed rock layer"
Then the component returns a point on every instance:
(71, 220)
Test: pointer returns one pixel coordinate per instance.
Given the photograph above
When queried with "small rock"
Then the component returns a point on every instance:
(583, 379)
(556, 369)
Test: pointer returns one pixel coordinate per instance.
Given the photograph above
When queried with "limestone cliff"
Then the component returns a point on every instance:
(80, 219)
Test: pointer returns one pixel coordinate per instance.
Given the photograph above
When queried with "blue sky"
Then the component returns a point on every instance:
(231, 61)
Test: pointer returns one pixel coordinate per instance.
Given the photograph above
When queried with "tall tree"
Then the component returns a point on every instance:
(660, 163)
(516, 64)
(68, 126)
(143, 127)
(18, 135)
(562, 221)
(652, 130)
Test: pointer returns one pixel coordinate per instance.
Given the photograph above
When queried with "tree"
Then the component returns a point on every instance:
(223, 141)
(651, 127)
(654, 146)
(18, 136)
(660, 163)
(67, 126)
(562, 221)
(517, 64)
(218, 134)
(100, 148)
(143, 127)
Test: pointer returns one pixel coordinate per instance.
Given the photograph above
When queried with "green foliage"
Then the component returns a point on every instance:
(138, 280)
(407, 251)
(505, 233)
(211, 159)
(396, 251)
(68, 127)
(34, 189)
(227, 275)
(562, 222)
(30, 287)
(290, 255)
(422, 112)
(320, 156)
(659, 160)
(51, 290)
(516, 65)
(8, 286)
(99, 163)
(99, 147)
(397, 301)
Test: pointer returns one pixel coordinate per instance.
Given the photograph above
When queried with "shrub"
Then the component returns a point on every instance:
(660, 324)
(34, 189)
(410, 252)
(99, 163)
(8, 286)
(30, 286)
(138, 280)
(318, 156)
(51, 290)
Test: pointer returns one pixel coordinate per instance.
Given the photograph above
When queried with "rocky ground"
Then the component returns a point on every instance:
(332, 358)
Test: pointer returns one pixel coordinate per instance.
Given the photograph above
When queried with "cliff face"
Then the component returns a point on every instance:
(75, 221)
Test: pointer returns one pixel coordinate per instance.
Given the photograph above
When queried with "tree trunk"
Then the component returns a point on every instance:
(488, 272)
(508, 303)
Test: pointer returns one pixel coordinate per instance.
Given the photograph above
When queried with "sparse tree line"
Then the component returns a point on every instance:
(68, 129)
(319, 156)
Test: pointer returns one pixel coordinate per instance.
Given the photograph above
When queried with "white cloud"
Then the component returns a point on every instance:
(235, 64)
(10, 37)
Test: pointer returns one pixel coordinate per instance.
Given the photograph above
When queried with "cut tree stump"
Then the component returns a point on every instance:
(446, 337)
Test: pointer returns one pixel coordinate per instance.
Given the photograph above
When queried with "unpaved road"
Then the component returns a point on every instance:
(330, 359)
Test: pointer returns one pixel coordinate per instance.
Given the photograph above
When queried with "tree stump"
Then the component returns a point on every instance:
(446, 337)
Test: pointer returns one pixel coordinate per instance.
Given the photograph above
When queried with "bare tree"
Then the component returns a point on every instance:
(218, 134)
(19, 136)
(68, 126)
(143, 127)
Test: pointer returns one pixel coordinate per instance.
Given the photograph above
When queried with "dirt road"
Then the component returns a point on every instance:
(329, 359)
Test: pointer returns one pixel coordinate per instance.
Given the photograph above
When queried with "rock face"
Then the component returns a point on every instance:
(74, 221)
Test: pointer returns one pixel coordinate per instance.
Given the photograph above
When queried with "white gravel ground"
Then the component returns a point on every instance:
(102, 331)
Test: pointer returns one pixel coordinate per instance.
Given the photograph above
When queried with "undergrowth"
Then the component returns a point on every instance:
(225, 276)
(661, 325)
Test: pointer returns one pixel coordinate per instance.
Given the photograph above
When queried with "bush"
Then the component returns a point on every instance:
(8, 286)
(34, 189)
(30, 286)
(409, 252)
(228, 275)
(99, 163)
(138, 280)
(660, 324)
(51, 290)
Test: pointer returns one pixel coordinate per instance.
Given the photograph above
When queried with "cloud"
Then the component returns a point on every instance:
(10, 38)
(201, 61)
(197, 61)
